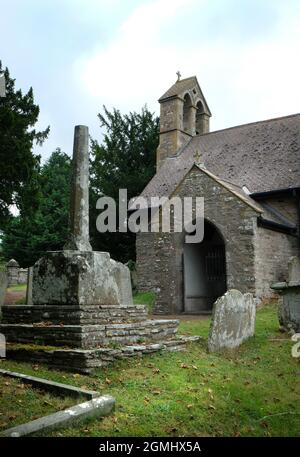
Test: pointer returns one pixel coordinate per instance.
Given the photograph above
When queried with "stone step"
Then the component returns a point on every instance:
(73, 315)
(86, 360)
(90, 336)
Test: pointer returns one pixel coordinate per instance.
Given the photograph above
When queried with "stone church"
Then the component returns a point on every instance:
(249, 176)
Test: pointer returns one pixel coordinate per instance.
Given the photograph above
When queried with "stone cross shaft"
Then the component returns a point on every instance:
(79, 206)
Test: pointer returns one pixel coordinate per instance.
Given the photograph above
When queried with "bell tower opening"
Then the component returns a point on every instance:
(187, 117)
(202, 119)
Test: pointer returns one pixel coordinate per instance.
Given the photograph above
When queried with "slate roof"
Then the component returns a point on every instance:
(180, 86)
(262, 156)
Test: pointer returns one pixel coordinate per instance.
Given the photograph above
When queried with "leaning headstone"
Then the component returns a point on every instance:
(233, 320)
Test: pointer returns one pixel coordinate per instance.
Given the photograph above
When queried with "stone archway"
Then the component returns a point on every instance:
(204, 271)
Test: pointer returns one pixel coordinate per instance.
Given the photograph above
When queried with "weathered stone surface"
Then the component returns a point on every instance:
(79, 208)
(101, 406)
(85, 360)
(80, 278)
(123, 279)
(233, 320)
(289, 309)
(73, 315)
(294, 271)
(289, 302)
(15, 274)
(12, 268)
(89, 336)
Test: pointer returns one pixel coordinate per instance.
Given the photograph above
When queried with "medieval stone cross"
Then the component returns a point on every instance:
(79, 205)
(178, 75)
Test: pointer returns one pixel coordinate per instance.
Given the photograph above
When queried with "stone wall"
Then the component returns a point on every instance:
(159, 256)
(272, 252)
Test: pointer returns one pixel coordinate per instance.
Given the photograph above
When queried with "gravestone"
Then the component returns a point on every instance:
(233, 320)
(294, 271)
(289, 302)
(13, 268)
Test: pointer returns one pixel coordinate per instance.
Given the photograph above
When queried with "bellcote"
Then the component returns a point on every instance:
(183, 114)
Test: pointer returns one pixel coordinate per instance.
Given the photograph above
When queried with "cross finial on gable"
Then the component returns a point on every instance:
(178, 75)
(197, 157)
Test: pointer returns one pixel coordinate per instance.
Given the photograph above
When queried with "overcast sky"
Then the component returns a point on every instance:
(80, 54)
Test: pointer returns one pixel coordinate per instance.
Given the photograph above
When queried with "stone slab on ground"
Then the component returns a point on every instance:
(101, 406)
(233, 320)
(51, 386)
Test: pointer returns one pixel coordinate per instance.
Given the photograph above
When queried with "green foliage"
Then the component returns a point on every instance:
(19, 166)
(124, 160)
(145, 298)
(26, 237)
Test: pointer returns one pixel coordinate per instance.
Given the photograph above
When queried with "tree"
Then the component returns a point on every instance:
(19, 166)
(124, 160)
(26, 238)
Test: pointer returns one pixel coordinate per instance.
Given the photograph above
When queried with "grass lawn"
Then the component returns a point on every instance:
(251, 391)
(145, 298)
(17, 288)
(19, 403)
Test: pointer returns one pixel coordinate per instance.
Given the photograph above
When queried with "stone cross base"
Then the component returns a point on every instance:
(80, 278)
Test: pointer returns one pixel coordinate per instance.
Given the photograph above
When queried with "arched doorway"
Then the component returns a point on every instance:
(204, 271)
